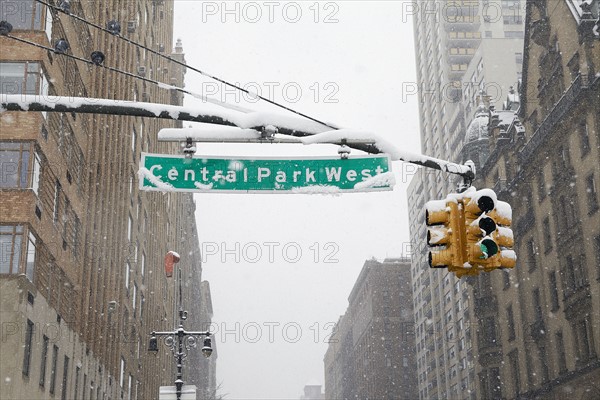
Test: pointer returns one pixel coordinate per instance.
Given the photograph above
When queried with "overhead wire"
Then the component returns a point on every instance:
(256, 95)
(129, 74)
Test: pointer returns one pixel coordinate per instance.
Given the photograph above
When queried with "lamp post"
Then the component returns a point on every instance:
(179, 339)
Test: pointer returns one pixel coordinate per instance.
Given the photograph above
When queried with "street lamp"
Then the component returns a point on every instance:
(176, 341)
(179, 339)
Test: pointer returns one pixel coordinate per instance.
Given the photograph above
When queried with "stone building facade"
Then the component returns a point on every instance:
(538, 329)
(82, 249)
(371, 354)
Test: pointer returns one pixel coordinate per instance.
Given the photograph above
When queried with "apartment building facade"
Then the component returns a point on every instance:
(463, 49)
(538, 325)
(82, 281)
(371, 353)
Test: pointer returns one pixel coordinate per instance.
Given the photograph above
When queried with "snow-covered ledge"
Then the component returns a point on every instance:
(576, 8)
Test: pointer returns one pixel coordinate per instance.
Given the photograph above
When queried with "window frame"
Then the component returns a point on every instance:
(34, 18)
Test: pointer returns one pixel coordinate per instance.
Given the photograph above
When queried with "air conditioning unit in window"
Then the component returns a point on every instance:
(141, 70)
(131, 26)
(161, 48)
(145, 97)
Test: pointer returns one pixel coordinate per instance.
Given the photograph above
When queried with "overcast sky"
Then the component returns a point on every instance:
(293, 259)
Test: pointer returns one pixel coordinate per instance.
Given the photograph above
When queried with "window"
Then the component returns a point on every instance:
(547, 235)
(529, 365)
(43, 361)
(23, 14)
(122, 373)
(11, 239)
(22, 78)
(129, 226)
(592, 194)
(65, 379)
(560, 351)
(511, 323)
(133, 141)
(519, 58)
(512, 19)
(56, 202)
(553, 291)
(584, 138)
(532, 254)
(143, 266)
(27, 352)
(489, 331)
(542, 190)
(53, 369)
(127, 269)
(142, 301)
(583, 341)
(16, 162)
(537, 305)
(134, 300)
(30, 261)
(506, 279)
(129, 387)
(513, 34)
(76, 390)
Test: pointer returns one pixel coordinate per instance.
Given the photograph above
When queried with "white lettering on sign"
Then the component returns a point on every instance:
(156, 167)
(263, 173)
(333, 173)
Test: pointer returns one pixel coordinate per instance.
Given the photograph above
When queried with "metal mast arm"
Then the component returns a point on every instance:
(286, 126)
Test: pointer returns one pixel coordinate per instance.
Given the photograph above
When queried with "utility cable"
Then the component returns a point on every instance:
(256, 95)
(129, 74)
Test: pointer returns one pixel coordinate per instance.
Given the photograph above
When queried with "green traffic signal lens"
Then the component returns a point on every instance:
(489, 248)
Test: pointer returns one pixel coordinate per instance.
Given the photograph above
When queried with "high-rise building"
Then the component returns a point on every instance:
(371, 354)
(463, 48)
(82, 250)
(538, 325)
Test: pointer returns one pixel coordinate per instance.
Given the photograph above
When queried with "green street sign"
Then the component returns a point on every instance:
(205, 174)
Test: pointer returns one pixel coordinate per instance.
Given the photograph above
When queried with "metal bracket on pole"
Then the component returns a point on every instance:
(344, 150)
(189, 150)
(268, 133)
(468, 178)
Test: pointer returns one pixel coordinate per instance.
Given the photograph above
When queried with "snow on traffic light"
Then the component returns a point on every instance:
(472, 231)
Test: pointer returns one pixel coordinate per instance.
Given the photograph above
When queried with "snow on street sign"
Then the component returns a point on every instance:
(204, 174)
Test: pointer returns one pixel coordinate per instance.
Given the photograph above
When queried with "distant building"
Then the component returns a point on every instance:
(538, 325)
(371, 354)
(312, 391)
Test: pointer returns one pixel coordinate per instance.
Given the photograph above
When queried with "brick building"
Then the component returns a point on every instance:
(82, 249)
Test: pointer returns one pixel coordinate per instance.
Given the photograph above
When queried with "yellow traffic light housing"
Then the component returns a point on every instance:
(444, 219)
(471, 232)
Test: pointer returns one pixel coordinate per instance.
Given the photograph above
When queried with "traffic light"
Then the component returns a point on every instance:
(444, 221)
(488, 236)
